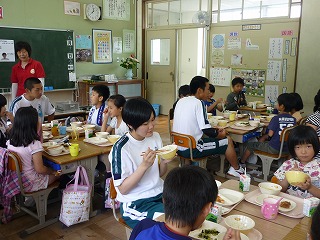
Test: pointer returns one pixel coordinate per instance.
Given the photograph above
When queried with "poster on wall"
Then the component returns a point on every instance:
(128, 41)
(116, 9)
(102, 46)
(254, 80)
(272, 93)
(7, 53)
(83, 48)
(275, 48)
(71, 8)
(117, 45)
(220, 76)
(274, 70)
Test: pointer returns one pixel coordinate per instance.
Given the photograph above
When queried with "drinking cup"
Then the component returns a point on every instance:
(232, 116)
(269, 208)
(54, 123)
(74, 149)
(254, 105)
(54, 131)
(63, 130)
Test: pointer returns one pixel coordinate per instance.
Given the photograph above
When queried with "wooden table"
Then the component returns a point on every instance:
(88, 158)
(282, 227)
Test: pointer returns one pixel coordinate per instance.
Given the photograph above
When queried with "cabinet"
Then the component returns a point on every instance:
(127, 88)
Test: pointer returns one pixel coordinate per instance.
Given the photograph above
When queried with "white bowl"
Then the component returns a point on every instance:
(89, 126)
(270, 188)
(55, 149)
(49, 144)
(102, 134)
(239, 222)
(113, 138)
(209, 115)
(76, 124)
(254, 123)
(46, 134)
(226, 114)
(168, 152)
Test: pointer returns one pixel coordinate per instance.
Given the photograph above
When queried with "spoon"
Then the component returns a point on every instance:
(279, 200)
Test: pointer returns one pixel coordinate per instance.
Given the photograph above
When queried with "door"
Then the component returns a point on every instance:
(161, 61)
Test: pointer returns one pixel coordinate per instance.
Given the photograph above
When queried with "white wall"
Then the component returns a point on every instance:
(308, 79)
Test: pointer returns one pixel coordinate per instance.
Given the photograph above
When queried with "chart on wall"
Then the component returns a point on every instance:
(220, 76)
(254, 80)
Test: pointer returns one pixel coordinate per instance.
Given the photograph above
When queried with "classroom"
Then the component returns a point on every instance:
(84, 44)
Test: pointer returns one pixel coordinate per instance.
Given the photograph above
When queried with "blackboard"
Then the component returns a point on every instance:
(52, 48)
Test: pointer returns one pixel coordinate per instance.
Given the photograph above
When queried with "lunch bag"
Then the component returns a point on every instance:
(76, 199)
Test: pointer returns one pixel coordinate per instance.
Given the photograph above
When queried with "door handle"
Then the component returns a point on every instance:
(172, 75)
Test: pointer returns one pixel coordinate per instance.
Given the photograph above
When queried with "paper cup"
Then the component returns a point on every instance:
(74, 149)
(63, 130)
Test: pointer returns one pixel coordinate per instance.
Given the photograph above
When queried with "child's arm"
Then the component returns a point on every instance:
(231, 103)
(105, 127)
(284, 184)
(311, 188)
(38, 164)
(130, 182)
(214, 105)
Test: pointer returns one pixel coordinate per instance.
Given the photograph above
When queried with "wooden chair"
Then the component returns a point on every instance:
(40, 197)
(187, 141)
(113, 196)
(268, 158)
(170, 118)
(302, 121)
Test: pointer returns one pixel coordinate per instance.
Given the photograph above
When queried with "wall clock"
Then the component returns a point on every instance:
(92, 12)
(218, 41)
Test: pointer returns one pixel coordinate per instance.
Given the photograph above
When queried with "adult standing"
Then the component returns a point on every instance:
(25, 68)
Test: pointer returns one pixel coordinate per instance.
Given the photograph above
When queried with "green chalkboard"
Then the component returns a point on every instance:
(53, 48)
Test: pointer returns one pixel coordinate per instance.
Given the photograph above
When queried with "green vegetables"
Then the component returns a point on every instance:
(207, 233)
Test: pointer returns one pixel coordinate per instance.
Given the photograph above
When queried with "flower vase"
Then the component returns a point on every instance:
(129, 74)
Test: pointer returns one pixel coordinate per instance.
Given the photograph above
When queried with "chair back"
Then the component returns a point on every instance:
(14, 164)
(170, 118)
(302, 121)
(113, 192)
(184, 140)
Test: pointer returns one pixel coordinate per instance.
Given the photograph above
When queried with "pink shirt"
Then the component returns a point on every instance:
(39, 181)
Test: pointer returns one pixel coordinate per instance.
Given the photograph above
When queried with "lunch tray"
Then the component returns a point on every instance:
(246, 128)
(297, 212)
(99, 145)
(253, 234)
(226, 209)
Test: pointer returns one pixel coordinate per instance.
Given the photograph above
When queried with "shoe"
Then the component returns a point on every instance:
(234, 172)
(29, 202)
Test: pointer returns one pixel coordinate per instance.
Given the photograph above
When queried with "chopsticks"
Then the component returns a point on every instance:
(157, 151)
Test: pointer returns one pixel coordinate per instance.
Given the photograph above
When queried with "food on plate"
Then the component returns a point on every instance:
(285, 204)
(222, 123)
(220, 200)
(207, 233)
(242, 124)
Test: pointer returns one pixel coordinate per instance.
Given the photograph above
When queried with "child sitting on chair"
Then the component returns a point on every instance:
(187, 202)
(114, 111)
(213, 105)
(236, 98)
(4, 128)
(303, 145)
(270, 142)
(98, 98)
(135, 166)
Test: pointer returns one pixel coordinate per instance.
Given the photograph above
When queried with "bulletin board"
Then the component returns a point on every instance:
(270, 46)
(53, 48)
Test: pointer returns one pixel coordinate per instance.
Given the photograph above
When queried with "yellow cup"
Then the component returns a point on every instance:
(232, 116)
(74, 149)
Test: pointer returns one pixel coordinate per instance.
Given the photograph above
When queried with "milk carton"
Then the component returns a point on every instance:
(310, 205)
(215, 214)
(244, 183)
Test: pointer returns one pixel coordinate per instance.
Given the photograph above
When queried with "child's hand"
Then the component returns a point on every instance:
(148, 157)
(232, 234)
(220, 100)
(10, 116)
(105, 114)
(295, 167)
(306, 185)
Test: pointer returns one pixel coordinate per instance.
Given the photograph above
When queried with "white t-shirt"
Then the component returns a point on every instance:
(42, 104)
(122, 129)
(93, 116)
(125, 157)
(190, 117)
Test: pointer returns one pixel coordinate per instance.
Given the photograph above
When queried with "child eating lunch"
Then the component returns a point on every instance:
(303, 145)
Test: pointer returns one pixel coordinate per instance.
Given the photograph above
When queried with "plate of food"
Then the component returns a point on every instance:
(261, 105)
(228, 197)
(208, 230)
(242, 124)
(79, 129)
(286, 205)
(97, 140)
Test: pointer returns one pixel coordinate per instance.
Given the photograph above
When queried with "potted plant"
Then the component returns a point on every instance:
(129, 63)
